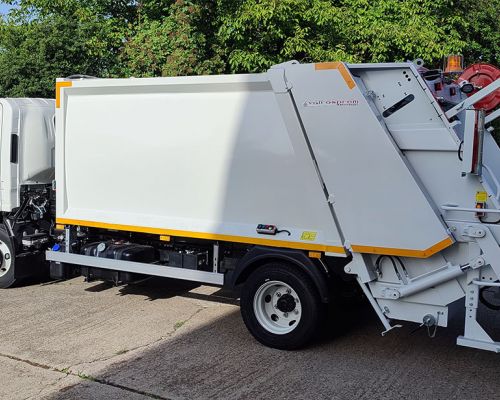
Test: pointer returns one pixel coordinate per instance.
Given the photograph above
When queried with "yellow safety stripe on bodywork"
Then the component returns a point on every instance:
(60, 85)
(404, 252)
(341, 68)
(208, 236)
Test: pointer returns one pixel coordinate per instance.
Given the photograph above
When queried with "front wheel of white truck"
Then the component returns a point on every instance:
(281, 306)
(7, 260)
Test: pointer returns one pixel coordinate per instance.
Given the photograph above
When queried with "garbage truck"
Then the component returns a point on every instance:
(286, 186)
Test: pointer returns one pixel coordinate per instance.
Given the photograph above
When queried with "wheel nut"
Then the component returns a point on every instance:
(285, 315)
(288, 291)
(278, 294)
(296, 312)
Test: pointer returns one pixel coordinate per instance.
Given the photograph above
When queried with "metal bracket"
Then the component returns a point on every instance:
(385, 321)
(477, 263)
(473, 231)
(474, 335)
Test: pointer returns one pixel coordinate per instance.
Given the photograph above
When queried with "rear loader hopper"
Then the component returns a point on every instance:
(382, 179)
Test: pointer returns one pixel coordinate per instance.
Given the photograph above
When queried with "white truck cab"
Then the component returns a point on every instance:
(27, 144)
(26, 148)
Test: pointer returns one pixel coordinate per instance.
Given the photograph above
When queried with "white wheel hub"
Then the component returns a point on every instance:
(5, 258)
(277, 307)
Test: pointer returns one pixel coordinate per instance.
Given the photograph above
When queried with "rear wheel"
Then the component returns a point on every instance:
(7, 260)
(281, 306)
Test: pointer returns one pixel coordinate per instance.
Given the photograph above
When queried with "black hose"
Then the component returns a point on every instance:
(483, 300)
(460, 151)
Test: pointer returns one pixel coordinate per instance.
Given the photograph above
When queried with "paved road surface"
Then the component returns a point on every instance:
(169, 340)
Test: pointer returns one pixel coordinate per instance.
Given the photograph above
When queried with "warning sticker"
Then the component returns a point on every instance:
(308, 235)
(481, 197)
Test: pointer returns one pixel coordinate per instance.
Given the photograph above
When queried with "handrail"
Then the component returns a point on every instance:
(470, 101)
(450, 207)
(483, 283)
(492, 116)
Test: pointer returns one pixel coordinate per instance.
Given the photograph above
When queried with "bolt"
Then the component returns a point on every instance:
(288, 291)
(296, 312)
(285, 315)
(278, 294)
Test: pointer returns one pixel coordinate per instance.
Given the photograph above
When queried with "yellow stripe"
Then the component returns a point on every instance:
(404, 252)
(60, 85)
(202, 235)
(341, 68)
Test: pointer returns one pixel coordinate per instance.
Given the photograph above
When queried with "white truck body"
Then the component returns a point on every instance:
(204, 157)
(330, 168)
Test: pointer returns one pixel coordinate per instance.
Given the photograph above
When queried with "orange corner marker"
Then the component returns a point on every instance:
(341, 68)
(60, 85)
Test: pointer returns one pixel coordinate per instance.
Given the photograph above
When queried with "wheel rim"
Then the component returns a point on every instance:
(277, 307)
(5, 258)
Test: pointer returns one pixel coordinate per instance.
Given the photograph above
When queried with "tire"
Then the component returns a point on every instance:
(7, 260)
(270, 309)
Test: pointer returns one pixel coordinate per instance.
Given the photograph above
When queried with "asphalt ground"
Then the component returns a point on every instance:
(167, 339)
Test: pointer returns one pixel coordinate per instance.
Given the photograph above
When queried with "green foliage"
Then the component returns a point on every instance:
(44, 39)
(37, 45)
(480, 29)
(260, 33)
(256, 34)
(172, 45)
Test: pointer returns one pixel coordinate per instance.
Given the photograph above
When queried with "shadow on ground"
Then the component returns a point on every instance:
(350, 360)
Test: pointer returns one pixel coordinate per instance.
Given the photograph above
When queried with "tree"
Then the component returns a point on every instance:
(43, 40)
(175, 44)
(258, 33)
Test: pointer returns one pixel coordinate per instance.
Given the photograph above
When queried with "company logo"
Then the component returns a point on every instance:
(331, 102)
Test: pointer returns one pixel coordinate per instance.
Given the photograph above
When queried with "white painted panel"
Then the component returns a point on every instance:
(377, 199)
(418, 125)
(202, 154)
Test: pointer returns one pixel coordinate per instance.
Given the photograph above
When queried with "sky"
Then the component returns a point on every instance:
(4, 8)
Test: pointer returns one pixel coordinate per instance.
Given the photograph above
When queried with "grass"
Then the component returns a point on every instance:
(86, 377)
(178, 324)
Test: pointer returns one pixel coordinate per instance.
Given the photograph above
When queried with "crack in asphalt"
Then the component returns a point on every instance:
(46, 387)
(143, 346)
(82, 377)
(69, 371)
